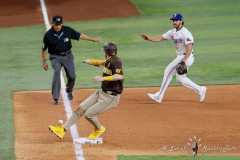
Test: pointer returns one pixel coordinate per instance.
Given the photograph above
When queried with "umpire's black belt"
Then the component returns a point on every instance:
(62, 54)
(110, 92)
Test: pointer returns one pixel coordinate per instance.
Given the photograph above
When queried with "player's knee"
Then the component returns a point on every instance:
(88, 115)
(82, 106)
(166, 72)
(72, 77)
(79, 111)
(57, 72)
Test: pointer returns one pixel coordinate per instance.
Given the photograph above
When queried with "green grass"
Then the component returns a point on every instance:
(213, 23)
(20, 70)
(178, 157)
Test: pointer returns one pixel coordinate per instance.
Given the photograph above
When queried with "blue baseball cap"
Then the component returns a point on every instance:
(177, 16)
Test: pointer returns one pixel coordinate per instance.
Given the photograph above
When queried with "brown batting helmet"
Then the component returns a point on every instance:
(110, 48)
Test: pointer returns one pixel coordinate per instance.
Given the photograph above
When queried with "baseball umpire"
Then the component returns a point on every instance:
(103, 99)
(58, 42)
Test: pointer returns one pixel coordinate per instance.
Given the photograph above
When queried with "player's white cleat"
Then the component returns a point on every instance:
(155, 97)
(202, 93)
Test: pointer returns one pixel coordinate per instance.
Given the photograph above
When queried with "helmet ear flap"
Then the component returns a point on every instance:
(108, 51)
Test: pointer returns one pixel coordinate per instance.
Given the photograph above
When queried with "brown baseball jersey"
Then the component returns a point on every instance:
(113, 66)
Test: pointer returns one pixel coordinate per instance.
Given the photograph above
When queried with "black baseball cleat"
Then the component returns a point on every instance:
(55, 101)
(69, 95)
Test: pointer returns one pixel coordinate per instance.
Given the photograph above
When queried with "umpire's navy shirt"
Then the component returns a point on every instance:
(59, 42)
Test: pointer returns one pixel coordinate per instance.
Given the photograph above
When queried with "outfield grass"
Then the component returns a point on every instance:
(213, 23)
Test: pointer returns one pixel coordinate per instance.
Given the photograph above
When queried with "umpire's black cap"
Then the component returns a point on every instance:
(57, 19)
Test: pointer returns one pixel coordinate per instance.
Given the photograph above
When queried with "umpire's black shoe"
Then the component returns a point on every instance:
(69, 95)
(55, 101)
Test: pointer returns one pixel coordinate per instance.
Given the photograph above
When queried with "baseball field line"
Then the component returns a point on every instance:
(67, 104)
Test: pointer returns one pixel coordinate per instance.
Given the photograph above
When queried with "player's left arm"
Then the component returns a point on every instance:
(117, 74)
(114, 77)
(189, 42)
(189, 49)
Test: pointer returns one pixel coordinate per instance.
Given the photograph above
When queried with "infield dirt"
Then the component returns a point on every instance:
(28, 12)
(137, 126)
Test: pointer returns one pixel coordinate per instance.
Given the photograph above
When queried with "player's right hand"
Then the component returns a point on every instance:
(88, 61)
(144, 36)
(97, 39)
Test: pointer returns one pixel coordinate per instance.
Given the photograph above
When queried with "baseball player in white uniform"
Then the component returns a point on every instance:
(184, 42)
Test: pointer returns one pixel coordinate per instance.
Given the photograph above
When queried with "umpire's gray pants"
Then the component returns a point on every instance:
(68, 63)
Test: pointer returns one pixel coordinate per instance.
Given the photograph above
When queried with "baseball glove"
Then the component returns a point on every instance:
(181, 68)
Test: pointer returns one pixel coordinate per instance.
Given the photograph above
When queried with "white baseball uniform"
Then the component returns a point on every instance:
(181, 38)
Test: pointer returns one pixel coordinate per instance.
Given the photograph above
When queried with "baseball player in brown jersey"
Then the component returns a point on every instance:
(103, 99)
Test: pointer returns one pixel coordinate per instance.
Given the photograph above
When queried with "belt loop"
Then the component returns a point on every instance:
(110, 92)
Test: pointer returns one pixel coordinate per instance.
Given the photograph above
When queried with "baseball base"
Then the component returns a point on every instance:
(86, 140)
